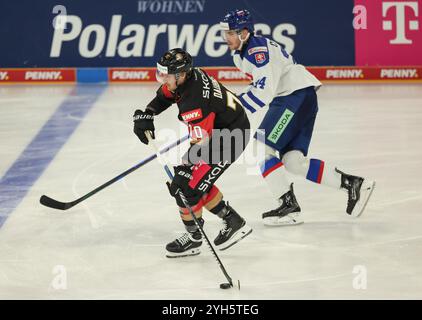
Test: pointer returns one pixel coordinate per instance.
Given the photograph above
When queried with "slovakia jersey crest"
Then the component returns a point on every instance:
(260, 57)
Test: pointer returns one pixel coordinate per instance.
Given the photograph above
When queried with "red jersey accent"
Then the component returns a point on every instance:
(167, 93)
(196, 208)
(206, 198)
(278, 165)
(211, 194)
(321, 170)
(198, 172)
(202, 129)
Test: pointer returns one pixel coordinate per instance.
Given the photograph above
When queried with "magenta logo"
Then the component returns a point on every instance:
(389, 33)
(402, 21)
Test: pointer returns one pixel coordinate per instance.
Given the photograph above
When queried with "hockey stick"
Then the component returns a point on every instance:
(185, 202)
(55, 204)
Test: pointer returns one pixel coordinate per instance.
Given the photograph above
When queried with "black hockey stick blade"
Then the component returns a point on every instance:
(51, 203)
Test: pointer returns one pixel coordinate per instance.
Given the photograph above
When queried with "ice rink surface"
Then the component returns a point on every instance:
(64, 141)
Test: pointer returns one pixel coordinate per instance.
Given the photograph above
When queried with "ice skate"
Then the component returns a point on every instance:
(234, 230)
(187, 245)
(287, 214)
(359, 191)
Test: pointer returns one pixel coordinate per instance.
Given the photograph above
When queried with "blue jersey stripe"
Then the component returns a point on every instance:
(255, 99)
(246, 105)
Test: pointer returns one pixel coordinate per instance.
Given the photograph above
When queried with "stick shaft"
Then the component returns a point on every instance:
(195, 219)
(52, 203)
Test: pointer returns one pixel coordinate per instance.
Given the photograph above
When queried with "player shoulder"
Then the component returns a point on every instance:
(200, 76)
(196, 81)
(257, 51)
(257, 44)
(196, 74)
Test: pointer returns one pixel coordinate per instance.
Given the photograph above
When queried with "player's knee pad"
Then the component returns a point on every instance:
(295, 162)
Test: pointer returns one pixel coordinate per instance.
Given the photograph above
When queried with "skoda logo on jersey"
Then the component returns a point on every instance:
(260, 58)
(280, 126)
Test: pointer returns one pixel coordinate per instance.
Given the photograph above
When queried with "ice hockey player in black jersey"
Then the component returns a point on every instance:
(219, 132)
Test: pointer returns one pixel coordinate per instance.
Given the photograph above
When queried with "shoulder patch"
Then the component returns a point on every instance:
(260, 58)
(258, 52)
(257, 49)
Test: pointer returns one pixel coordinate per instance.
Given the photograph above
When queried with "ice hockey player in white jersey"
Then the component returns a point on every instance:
(287, 93)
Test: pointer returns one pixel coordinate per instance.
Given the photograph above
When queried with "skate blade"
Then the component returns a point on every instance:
(239, 235)
(192, 252)
(282, 222)
(361, 205)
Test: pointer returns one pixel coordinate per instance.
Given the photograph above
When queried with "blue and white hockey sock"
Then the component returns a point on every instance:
(274, 173)
(314, 170)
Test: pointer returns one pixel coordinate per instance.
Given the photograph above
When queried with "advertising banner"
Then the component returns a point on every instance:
(390, 34)
(121, 41)
(135, 33)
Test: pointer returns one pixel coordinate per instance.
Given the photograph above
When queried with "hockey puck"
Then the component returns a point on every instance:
(225, 286)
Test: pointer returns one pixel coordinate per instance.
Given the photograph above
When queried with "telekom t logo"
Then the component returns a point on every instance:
(400, 20)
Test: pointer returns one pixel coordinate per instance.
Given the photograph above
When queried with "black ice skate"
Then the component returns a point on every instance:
(359, 191)
(187, 245)
(287, 214)
(234, 230)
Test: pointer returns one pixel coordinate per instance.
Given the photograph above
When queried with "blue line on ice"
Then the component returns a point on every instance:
(39, 153)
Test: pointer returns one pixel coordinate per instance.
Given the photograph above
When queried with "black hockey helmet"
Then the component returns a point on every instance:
(175, 61)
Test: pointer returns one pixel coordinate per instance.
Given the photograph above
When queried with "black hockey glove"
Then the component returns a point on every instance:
(143, 121)
(180, 182)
